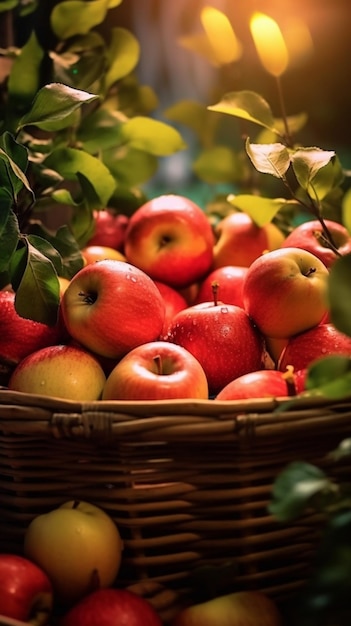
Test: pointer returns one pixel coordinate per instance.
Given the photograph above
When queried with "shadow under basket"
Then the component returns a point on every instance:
(188, 483)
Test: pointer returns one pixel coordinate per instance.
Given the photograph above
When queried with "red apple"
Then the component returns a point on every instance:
(20, 336)
(221, 337)
(241, 608)
(111, 307)
(78, 545)
(262, 384)
(306, 347)
(158, 370)
(285, 292)
(112, 607)
(309, 236)
(91, 254)
(230, 279)
(174, 302)
(25, 590)
(63, 371)
(171, 239)
(240, 241)
(109, 229)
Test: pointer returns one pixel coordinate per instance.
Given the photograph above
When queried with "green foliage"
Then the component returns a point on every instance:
(80, 139)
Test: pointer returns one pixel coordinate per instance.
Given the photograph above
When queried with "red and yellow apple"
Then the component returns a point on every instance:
(285, 292)
(111, 307)
(239, 241)
(62, 371)
(310, 236)
(174, 302)
(171, 239)
(26, 591)
(79, 547)
(158, 370)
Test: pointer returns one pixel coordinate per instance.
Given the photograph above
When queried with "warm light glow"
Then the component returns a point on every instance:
(269, 43)
(223, 41)
(298, 40)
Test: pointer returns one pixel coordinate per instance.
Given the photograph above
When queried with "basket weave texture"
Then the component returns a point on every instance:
(187, 482)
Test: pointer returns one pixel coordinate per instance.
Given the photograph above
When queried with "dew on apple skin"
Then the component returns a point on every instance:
(224, 309)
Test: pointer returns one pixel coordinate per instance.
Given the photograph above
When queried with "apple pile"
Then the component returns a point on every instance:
(68, 575)
(169, 305)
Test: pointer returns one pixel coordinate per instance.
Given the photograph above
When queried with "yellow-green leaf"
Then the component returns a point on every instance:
(123, 55)
(151, 136)
(247, 105)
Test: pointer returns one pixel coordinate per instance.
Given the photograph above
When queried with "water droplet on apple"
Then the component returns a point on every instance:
(224, 309)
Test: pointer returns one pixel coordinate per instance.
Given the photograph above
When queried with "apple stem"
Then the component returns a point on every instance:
(158, 363)
(310, 271)
(215, 290)
(290, 380)
(75, 504)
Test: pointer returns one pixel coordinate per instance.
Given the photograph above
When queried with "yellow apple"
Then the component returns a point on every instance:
(63, 371)
(79, 547)
(241, 608)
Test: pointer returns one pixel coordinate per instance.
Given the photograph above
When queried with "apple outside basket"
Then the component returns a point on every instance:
(187, 482)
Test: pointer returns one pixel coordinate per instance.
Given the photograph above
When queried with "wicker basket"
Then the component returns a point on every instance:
(187, 482)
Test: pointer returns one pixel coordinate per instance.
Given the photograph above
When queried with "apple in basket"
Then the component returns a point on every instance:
(321, 341)
(25, 590)
(78, 545)
(112, 607)
(171, 239)
(310, 236)
(111, 307)
(241, 608)
(157, 370)
(285, 292)
(62, 371)
(264, 384)
(221, 337)
(240, 241)
(174, 302)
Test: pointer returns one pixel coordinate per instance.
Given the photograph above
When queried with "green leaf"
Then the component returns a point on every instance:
(339, 294)
(247, 105)
(151, 136)
(9, 232)
(261, 210)
(100, 131)
(47, 249)
(219, 164)
(346, 209)
(271, 159)
(24, 79)
(65, 243)
(13, 165)
(77, 17)
(296, 487)
(307, 163)
(8, 5)
(342, 451)
(69, 161)
(82, 224)
(122, 55)
(36, 284)
(330, 376)
(53, 103)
